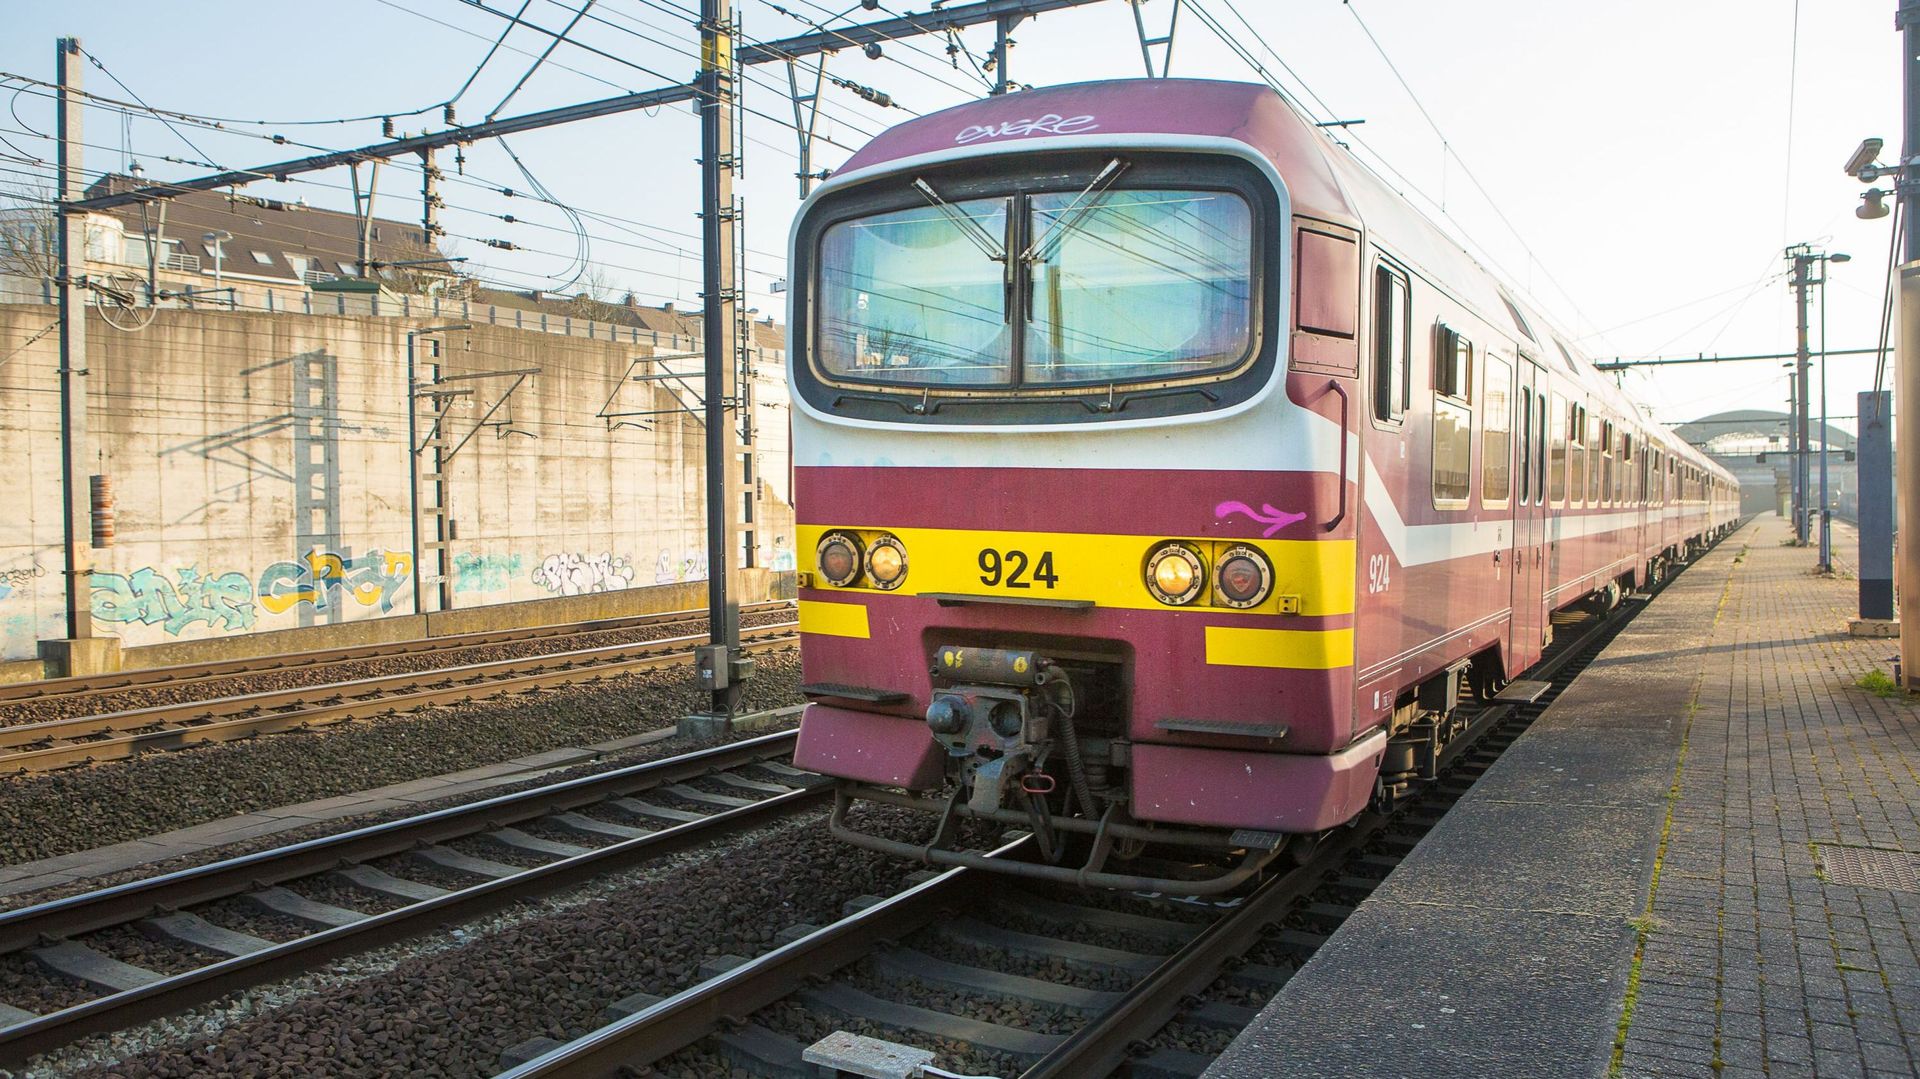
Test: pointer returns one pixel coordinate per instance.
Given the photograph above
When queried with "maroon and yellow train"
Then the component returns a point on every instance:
(1160, 473)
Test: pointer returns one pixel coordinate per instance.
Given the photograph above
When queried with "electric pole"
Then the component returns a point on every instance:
(71, 270)
(721, 667)
(1907, 353)
(1802, 257)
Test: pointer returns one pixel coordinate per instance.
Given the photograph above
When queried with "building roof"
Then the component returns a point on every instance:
(1755, 423)
(627, 312)
(264, 236)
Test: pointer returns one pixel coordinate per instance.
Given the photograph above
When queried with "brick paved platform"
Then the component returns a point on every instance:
(1699, 862)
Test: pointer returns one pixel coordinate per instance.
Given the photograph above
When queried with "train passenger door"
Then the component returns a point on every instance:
(1529, 507)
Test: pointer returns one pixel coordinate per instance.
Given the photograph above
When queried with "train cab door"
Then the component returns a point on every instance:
(1529, 510)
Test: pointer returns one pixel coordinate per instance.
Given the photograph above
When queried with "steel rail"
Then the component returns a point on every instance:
(129, 902)
(189, 673)
(1097, 1048)
(1104, 1044)
(60, 743)
(693, 1013)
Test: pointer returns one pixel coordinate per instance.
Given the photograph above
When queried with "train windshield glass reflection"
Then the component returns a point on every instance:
(915, 297)
(1123, 287)
(1138, 285)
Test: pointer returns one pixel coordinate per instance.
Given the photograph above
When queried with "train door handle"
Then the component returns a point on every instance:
(1345, 407)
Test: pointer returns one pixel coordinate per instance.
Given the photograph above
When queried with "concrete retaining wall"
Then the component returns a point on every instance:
(260, 468)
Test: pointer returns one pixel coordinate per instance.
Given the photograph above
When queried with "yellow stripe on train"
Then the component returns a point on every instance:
(834, 619)
(1292, 649)
(1106, 569)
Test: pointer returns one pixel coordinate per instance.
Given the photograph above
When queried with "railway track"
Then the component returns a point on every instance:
(188, 674)
(379, 884)
(81, 740)
(1111, 977)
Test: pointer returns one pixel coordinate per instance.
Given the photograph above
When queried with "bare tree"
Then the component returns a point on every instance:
(593, 301)
(28, 230)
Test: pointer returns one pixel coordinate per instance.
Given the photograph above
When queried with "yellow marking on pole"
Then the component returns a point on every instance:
(834, 619)
(1293, 649)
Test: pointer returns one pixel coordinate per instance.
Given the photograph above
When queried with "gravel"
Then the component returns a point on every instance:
(451, 1006)
(13, 713)
(26, 984)
(130, 945)
(45, 815)
(1024, 1015)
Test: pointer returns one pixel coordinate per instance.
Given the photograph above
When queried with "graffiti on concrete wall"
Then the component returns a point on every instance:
(19, 581)
(377, 577)
(484, 572)
(577, 574)
(146, 596)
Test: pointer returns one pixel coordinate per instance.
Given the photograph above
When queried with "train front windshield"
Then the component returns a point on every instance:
(1038, 290)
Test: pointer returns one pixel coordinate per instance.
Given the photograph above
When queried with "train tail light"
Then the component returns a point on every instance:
(1242, 578)
(839, 559)
(1175, 574)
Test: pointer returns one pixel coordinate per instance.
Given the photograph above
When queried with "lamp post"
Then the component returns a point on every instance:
(1826, 501)
(216, 243)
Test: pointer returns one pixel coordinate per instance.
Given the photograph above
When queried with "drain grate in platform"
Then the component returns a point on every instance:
(1869, 867)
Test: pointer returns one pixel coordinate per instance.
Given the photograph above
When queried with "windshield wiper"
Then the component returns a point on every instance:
(968, 227)
(1069, 219)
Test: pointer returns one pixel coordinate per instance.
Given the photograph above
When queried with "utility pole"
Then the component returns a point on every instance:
(1802, 257)
(1907, 354)
(721, 667)
(76, 521)
(430, 203)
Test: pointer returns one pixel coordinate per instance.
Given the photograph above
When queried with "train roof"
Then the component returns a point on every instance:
(1324, 180)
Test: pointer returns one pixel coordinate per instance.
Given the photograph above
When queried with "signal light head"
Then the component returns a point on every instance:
(1242, 578)
(839, 559)
(1175, 575)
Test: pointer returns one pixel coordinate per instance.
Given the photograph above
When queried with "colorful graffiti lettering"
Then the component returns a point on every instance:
(782, 554)
(375, 577)
(484, 572)
(577, 574)
(147, 597)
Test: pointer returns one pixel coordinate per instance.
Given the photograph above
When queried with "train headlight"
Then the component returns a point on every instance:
(1242, 577)
(839, 558)
(887, 562)
(1175, 574)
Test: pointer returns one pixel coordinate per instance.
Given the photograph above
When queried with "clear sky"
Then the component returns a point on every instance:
(1644, 162)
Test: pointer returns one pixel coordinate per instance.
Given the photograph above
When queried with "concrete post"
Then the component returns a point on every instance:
(1906, 475)
(1875, 502)
(79, 652)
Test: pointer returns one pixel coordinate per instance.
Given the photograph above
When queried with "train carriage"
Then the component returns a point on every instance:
(1161, 477)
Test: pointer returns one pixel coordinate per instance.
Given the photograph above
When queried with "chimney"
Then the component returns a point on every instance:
(536, 295)
(667, 307)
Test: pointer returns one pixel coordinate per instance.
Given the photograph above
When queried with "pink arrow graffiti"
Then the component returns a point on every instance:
(1274, 519)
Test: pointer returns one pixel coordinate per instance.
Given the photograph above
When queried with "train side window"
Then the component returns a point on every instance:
(1540, 450)
(1577, 454)
(1453, 365)
(1558, 460)
(1606, 463)
(1593, 457)
(1525, 463)
(1392, 335)
(1496, 434)
(1452, 421)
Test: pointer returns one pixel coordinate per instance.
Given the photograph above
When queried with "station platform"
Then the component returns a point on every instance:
(1700, 861)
